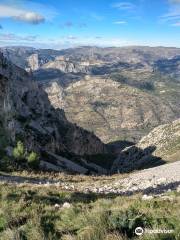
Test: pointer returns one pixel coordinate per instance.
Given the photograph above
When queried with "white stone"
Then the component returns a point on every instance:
(147, 197)
(161, 180)
(56, 206)
(66, 205)
(167, 198)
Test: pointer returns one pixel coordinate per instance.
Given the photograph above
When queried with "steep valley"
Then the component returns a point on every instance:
(117, 93)
(27, 115)
(100, 168)
(113, 110)
(90, 120)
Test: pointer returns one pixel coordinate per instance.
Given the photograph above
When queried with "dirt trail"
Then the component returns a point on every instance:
(149, 181)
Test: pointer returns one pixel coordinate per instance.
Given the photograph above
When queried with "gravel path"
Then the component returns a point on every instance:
(155, 180)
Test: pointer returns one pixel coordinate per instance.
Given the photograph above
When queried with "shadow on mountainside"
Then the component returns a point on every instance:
(117, 146)
(134, 158)
(82, 196)
(90, 196)
(47, 129)
(47, 76)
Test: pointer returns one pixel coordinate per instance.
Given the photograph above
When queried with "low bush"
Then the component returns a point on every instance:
(19, 152)
(5, 164)
(34, 217)
(2, 223)
(126, 222)
(23, 158)
(33, 160)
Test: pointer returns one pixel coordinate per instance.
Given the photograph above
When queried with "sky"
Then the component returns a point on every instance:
(61, 24)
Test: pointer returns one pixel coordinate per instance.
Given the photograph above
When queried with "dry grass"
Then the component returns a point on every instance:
(78, 179)
(29, 213)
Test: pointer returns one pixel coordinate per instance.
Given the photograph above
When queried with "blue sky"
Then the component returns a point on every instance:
(67, 23)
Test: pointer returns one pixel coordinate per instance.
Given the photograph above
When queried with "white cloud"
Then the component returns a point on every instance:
(174, 1)
(96, 16)
(128, 9)
(70, 24)
(70, 37)
(124, 6)
(62, 42)
(119, 22)
(82, 25)
(11, 37)
(21, 14)
(67, 24)
(30, 17)
(177, 24)
(66, 42)
(173, 14)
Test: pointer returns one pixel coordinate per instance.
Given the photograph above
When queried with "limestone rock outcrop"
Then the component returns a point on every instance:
(161, 145)
(27, 114)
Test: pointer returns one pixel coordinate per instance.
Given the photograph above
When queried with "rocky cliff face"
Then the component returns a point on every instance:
(27, 114)
(55, 94)
(161, 145)
(67, 66)
(118, 93)
(169, 66)
(166, 139)
(33, 62)
(114, 111)
(25, 57)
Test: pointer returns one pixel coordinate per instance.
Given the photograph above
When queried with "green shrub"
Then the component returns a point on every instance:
(3, 136)
(2, 223)
(3, 141)
(126, 222)
(24, 158)
(33, 160)
(19, 151)
(5, 164)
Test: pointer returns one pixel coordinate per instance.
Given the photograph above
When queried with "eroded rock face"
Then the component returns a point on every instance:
(118, 93)
(166, 139)
(55, 94)
(161, 145)
(67, 66)
(29, 115)
(33, 62)
(112, 110)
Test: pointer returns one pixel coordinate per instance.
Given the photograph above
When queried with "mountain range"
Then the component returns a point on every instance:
(26, 114)
(79, 106)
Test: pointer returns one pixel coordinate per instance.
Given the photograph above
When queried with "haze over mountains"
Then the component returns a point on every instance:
(117, 93)
(89, 120)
